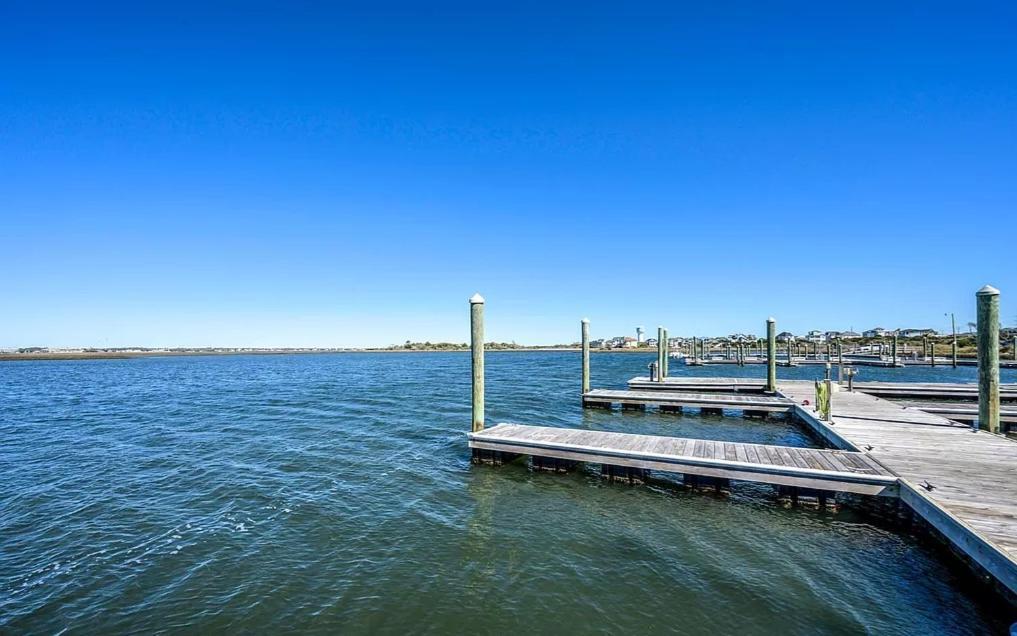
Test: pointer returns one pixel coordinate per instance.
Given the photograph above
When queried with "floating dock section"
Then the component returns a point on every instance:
(815, 470)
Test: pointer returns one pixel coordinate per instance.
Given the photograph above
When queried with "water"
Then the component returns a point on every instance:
(326, 493)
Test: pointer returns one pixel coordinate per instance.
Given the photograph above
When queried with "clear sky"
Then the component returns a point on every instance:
(289, 174)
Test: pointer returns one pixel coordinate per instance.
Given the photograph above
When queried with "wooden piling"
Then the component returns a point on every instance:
(840, 361)
(660, 354)
(953, 323)
(771, 355)
(586, 355)
(932, 353)
(893, 350)
(667, 353)
(477, 349)
(988, 358)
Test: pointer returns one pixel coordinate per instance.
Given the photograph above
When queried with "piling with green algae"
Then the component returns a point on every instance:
(477, 350)
(988, 358)
(771, 355)
(586, 355)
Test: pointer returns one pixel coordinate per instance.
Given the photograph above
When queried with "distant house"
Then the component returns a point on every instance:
(784, 336)
(916, 333)
(629, 343)
(849, 335)
(651, 342)
(598, 344)
(814, 336)
(875, 332)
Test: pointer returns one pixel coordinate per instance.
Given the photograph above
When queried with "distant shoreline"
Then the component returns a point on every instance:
(126, 355)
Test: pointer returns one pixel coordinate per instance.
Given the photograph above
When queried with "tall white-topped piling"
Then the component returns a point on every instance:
(477, 349)
(586, 355)
(988, 358)
(771, 355)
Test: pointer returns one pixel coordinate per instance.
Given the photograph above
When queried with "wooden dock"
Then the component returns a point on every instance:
(703, 385)
(932, 390)
(966, 413)
(962, 481)
(677, 400)
(936, 391)
(826, 471)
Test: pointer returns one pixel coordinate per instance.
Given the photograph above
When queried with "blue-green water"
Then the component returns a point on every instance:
(334, 493)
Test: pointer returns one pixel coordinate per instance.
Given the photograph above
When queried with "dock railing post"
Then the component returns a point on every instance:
(477, 349)
(586, 355)
(893, 350)
(988, 358)
(660, 354)
(932, 353)
(771, 355)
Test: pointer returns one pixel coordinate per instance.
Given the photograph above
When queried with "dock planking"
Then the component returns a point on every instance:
(704, 385)
(966, 413)
(807, 468)
(746, 402)
(920, 390)
(962, 481)
(932, 390)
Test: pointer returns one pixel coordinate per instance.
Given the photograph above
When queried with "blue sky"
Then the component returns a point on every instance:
(259, 174)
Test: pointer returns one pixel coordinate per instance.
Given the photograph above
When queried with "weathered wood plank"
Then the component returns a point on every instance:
(708, 458)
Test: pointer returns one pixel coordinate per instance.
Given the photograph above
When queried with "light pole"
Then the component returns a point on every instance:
(953, 326)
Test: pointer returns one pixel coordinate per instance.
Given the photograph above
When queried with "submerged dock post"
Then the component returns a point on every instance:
(477, 350)
(771, 355)
(586, 355)
(988, 358)
(660, 354)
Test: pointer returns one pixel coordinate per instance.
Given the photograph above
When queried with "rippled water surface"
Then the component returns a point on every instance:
(334, 493)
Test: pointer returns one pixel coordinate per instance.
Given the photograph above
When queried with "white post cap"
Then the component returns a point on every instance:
(476, 299)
